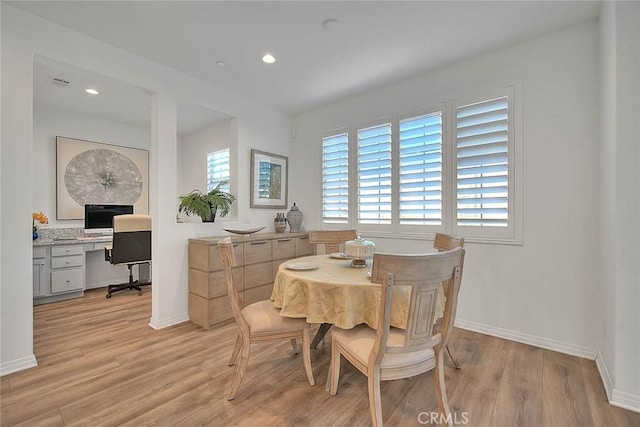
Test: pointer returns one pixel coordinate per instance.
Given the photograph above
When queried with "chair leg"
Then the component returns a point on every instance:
(236, 349)
(242, 366)
(294, 346)
(334, 370)
(306, 355)
(375, 403)
(440, 387)
(453, 360)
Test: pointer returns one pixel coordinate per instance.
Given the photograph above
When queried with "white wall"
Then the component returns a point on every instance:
(620, 159)
(50, 122)
(547, 290)
(24, 36)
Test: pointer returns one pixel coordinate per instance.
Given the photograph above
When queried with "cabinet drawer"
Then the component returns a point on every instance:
(67, 261)
(303, 247)
(275, 265)
(207, 258)
(209, 285)
(284, 248)
(259, 293)
(67, 280)
(39, 252)
(257, 274)
(259, 251)
(67, 250)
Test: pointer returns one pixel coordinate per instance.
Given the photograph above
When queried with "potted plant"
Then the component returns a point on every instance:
(207, 205)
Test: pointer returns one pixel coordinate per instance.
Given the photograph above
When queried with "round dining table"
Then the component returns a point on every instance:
(326, 289)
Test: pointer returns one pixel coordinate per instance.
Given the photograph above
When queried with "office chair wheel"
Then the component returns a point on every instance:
(108, 296)
(140, 293)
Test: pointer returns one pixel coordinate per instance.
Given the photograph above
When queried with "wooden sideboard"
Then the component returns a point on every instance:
(258, 258)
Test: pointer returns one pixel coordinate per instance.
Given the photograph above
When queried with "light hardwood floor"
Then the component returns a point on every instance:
(100, 364)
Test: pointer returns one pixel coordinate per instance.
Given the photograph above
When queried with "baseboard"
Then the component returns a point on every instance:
(625, 400)
(549, 344)
(165, 323)
(604, 375)
(18, 365)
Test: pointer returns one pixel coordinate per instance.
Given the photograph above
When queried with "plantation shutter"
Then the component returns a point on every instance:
(482, 137)
(420, 170)
(335, 179)
(218, 169)
(374, 175)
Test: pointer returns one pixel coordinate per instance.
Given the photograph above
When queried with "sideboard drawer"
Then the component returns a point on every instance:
(67, 280)
(284, 248)
(67, 261)
(259, 251)
(257, 274)
(67, 250)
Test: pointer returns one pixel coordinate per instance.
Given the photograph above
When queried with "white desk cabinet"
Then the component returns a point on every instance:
(58, 272)
(257, 261)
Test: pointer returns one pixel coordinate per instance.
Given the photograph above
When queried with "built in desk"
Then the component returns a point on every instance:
(59, 267)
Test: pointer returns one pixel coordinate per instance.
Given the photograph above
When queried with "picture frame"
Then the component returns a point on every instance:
(269, 180)
(96, 173)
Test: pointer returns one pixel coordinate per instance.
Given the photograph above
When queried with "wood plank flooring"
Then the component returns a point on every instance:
(100, 364)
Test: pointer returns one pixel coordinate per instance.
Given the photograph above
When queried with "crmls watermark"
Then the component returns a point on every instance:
(438, 418)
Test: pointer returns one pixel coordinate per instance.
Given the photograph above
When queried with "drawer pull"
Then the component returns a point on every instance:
(68, 281)
(284, 240)
(67, 262)
(258, 243)
(304, 238)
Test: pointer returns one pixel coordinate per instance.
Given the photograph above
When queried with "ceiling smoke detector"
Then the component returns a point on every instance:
(59, 82)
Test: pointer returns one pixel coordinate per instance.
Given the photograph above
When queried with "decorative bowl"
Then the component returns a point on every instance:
(244, 231)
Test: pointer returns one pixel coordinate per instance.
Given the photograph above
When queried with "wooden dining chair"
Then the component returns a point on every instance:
(329, 241)
(259, 322)
(387, 353)
(445, 242)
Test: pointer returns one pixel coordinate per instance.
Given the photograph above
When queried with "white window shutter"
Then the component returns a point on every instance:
(335, 179)
(420, 170)
(218, 169)
(374, 175)
(482, 163)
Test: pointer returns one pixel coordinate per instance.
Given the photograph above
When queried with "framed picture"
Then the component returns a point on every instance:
(269, 174)
(94, 173)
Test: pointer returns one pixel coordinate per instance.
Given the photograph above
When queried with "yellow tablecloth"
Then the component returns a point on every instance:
(334, 293)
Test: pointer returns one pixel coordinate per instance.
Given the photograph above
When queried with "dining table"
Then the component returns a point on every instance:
(326, 289)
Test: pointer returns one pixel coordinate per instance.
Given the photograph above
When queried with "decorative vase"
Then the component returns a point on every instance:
(294, 218)
(280, 222)
(35, 235)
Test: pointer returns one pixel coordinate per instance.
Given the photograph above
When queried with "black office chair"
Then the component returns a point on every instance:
(131, 245)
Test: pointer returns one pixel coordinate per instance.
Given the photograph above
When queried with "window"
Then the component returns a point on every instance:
(420, 170)
(218, 169)
(335, 179)
(452, 170)
(482, 141)
(374, 175)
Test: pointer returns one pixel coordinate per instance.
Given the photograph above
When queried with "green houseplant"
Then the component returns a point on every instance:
(207, 205)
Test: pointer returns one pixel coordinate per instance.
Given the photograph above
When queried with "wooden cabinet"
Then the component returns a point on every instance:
(257, 261)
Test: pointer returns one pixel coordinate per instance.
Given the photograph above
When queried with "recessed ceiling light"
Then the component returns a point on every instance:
(268, 58)
(91, 91)
(221, 64)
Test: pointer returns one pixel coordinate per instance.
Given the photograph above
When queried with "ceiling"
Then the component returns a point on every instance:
(364, 45)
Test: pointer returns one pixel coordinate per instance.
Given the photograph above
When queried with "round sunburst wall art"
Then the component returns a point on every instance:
(103, 176)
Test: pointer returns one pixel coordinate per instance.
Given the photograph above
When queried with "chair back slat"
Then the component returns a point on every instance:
(423, 273)
(446, 242)
(228, 256)
(328, 241)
